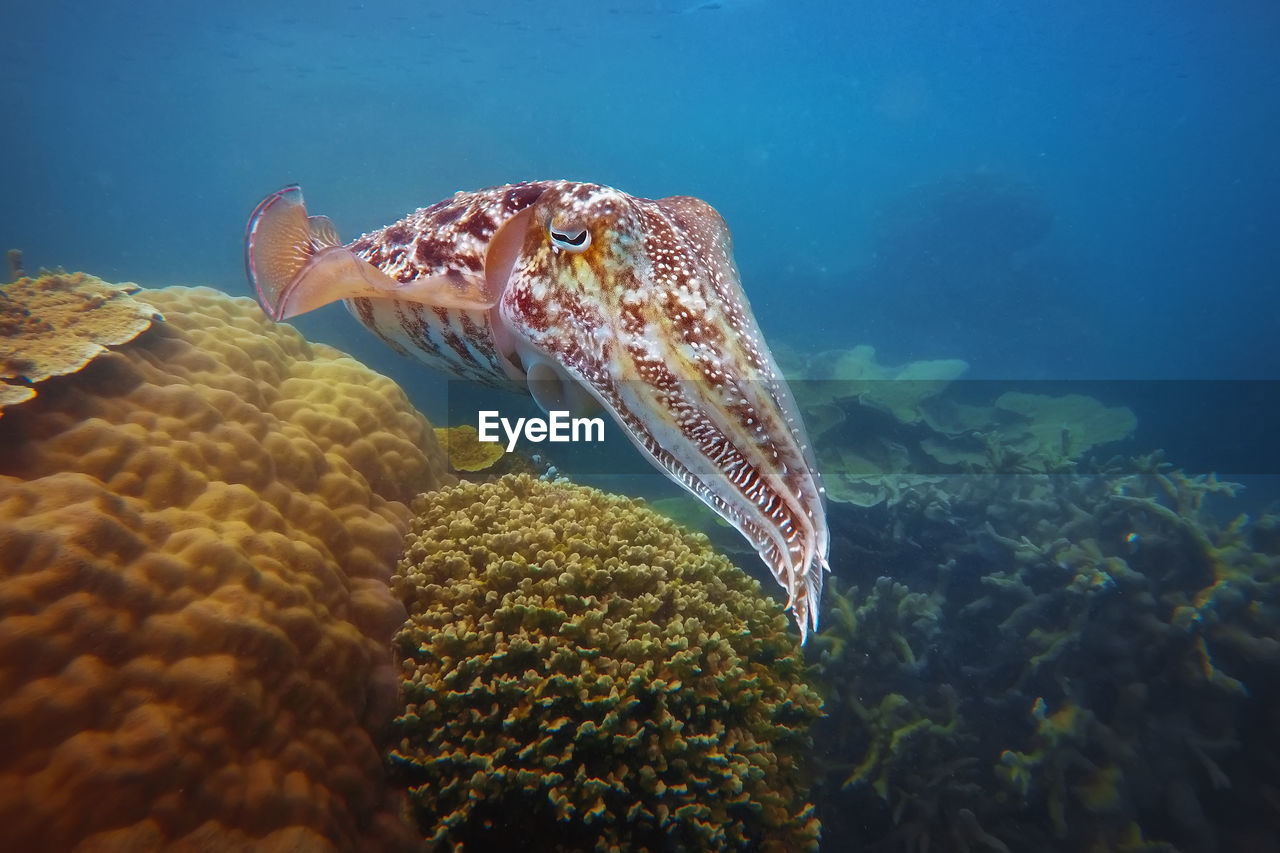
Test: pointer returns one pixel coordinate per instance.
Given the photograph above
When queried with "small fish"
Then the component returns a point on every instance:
(592, 299)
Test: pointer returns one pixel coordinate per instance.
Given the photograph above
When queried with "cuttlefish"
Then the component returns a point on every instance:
(591, 299)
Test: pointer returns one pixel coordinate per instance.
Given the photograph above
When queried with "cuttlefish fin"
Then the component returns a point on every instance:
(297, 264)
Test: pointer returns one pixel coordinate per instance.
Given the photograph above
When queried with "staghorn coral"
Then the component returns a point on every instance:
(581, 673)
(59, 322)
(1112, 646)
(902, 757)
(197, 531)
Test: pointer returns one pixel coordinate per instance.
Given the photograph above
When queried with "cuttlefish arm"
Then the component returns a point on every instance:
(640, 302)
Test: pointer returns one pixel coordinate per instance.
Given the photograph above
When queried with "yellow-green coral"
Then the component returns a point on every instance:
(57, 323)
(856, 374)
(906, 751)
(582, 673)
(892, 725)
(880, 432)
(1071, 424)
(466, 451)
(1022, 432)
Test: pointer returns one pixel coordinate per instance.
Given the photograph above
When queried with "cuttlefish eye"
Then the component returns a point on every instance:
(570, 239)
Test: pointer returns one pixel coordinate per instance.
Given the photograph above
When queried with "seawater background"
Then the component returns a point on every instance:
(1079, 192)
(139, 136)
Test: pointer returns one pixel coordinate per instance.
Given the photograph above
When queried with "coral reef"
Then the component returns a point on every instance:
(1096, 650)
(855, 374)
(198, 529)
(465, 450)
(57, 323)
(1023, 433)
(580, 673)
(880, 430)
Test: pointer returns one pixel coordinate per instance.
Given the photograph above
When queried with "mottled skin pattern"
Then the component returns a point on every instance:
(649, 315)
(449, 237)
(652, 317)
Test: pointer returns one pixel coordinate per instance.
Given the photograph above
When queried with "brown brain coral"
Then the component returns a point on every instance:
(582, 673)
(196, 533)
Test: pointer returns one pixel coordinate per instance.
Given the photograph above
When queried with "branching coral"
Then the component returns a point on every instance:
(891, 758)
(1110, 642)
(197, 531)
(581, 673)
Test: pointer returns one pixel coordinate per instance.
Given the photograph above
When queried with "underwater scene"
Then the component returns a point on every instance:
(651, 425)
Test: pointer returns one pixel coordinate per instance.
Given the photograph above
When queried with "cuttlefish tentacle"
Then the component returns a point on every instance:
(588, 296)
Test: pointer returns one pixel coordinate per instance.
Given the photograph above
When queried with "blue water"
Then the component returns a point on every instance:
(1140, 137)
